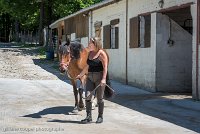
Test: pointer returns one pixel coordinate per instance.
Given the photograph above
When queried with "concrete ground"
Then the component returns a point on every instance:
(35, 98)
(44, 106)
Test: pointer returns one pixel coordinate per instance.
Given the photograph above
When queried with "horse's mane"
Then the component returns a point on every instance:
(63, 49)
(76, 48)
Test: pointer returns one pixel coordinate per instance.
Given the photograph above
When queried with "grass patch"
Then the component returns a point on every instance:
(55, 66)
(41, 52)
(23, 45)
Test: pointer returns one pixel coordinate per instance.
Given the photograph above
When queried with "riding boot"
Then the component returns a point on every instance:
(100, 116)
(89, 113)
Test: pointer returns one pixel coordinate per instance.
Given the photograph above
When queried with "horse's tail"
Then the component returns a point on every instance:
(109, 92)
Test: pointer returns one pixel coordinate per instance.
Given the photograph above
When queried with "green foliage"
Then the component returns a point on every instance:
(42, 50)
(27, 12)
(23, 45)
(66, 7)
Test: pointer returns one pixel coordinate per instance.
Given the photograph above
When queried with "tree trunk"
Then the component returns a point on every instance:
(48, 22)
(16, 30)
(41, 26)
(50, 12)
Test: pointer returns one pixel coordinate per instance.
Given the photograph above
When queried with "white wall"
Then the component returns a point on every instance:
(142, 61)
(173, 63)
(194, 17)
(84, 41)
(117, 66)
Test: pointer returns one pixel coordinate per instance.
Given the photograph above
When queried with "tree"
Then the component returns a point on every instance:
(37, 14)
(41, 25)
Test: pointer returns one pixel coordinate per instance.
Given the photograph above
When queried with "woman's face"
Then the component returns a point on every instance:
(91, 45)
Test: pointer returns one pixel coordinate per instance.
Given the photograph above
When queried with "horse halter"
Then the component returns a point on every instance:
(65, 65)
(65, 51)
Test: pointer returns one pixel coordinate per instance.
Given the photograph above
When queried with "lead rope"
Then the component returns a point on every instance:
(93, 91)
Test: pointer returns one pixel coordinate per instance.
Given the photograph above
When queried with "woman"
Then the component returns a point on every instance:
(97, 71)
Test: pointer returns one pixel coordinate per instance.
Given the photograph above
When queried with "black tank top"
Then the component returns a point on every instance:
(95, 65)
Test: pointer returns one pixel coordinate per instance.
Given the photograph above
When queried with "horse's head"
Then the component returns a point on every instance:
(67, 52)
(75, 49)
(64, 55)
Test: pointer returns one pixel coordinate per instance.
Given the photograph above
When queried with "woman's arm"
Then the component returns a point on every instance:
(84, 71)
(98, 54)
(104, 59)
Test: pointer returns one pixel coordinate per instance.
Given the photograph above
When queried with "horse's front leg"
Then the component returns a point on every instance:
(81, 104)
(81, 89)
(75, 96)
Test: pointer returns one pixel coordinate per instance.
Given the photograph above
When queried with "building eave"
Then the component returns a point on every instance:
(82, 11)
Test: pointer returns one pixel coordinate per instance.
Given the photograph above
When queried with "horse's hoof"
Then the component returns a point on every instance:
(81, 108)
(75, 110)
(93, 107)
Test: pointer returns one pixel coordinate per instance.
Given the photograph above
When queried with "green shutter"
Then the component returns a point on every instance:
(147, 35)
(134, 33)
(106, 37)
(116, 37)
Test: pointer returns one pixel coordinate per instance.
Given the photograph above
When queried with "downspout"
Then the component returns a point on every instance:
(197, 51)
(127, 42)
(91, 22)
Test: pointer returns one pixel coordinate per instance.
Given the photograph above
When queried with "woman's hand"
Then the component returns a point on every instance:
(103, 82)
(78, 77)
(84, 71)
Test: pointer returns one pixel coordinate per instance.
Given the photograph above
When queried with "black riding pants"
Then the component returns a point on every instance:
(93, 80)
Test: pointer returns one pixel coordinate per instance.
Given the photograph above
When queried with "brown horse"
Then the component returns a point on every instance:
(73, 58)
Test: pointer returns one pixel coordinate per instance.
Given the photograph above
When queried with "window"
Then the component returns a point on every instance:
(111, 35)
(140, 32)
(114, 36)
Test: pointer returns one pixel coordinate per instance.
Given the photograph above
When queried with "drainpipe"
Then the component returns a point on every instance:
(197, 51)
(127, 42)
(91, 22)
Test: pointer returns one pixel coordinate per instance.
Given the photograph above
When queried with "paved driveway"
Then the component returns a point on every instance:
(44, 106)
(35, 98)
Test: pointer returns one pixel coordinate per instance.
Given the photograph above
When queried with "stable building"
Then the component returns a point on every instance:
(152, 44)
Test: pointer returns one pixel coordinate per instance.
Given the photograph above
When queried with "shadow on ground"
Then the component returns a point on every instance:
(53, 110)
(156, 105)
(65, 121)
(51, 66)
(14, 47)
